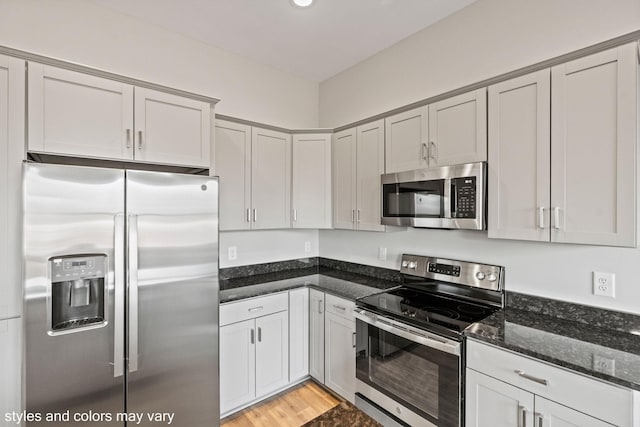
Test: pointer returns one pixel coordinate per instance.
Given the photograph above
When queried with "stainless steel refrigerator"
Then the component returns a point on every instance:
(121, 296)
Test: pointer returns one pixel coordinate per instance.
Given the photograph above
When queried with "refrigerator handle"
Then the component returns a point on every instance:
(133, 293)
(118, 321)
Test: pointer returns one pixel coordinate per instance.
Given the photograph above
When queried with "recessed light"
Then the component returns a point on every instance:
(302, 3)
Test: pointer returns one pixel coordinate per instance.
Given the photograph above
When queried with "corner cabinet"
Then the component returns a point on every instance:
(72, 113)
(504, 389)
(254, 166)
(563, 152)
(311, 181)
(447, 132)
(358, 162)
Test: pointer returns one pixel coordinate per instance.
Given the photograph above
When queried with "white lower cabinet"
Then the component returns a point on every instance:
(316, 335)
(505, 389)
(254, 349)
(298, 334)
(339, 346)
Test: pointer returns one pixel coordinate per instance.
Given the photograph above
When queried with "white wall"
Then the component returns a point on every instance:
(483, 40)
(558, 271)
(257, 247)
(83, 32)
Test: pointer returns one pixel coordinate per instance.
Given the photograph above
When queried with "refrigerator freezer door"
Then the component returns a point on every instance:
(70, 212)
(173, 297)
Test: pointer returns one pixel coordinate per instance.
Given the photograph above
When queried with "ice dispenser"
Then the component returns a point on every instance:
(78, 292)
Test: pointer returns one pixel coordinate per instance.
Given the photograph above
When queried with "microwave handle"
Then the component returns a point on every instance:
(454, 198)
(449, 203)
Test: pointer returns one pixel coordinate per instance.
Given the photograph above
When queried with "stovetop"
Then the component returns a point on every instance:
(441, 296)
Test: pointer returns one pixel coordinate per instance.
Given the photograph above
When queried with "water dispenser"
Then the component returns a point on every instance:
(78, 292)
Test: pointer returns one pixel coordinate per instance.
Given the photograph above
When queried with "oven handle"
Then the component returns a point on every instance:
(419, 337)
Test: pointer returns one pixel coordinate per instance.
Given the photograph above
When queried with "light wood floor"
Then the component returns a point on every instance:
(292, 408)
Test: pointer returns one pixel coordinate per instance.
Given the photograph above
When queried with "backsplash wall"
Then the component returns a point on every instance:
(557, 271)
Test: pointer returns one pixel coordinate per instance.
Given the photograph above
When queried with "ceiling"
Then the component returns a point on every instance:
(314, 43)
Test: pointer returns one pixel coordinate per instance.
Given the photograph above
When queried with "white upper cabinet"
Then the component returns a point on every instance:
(12, 86)
(594, 107)
(562, 152)
(458, 129)
(233, 166)
(171, 129)
(407, 138)
(358, 162)
(270, 179)
(519, 150)
(311, 181)
(82, 115)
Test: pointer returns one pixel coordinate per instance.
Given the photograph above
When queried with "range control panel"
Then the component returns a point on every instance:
(453, 271)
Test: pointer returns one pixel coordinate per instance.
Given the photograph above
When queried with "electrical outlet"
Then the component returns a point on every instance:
(233, 253)
(604, 364)
(604, 284)
(382, 254)
(307, 247)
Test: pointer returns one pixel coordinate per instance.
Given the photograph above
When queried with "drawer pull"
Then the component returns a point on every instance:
(251, 310)
(522, 416)
(340, 307)
(523, 374)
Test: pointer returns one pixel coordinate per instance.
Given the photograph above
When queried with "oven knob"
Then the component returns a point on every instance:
(412, 314)
(480, 275)
(398, 410)
(492, 277)
(412, 265)
(405, 264)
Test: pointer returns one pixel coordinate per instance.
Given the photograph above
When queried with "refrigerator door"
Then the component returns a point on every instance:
(173, 298)
(74, 279)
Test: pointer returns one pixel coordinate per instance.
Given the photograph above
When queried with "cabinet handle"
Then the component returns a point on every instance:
(425, 151)
(339, 307)
(255, 215)
(358, 215)
(433, 154)
(320, 306)
(541, 217)
(248, 215)
(253, 337)
(128, 138)
(353, 339)
(295, 215)
(259, 334)
(139, 140)
(539, 419)
(353, 215)
(524, 375)
(522, 416)
(556, 218)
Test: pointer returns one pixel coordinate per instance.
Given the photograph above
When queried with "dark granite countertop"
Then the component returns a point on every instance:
(340, 283)
(577, 346)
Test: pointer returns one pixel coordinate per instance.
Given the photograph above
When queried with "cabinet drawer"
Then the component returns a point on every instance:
(252, 308)
(601, 400)
(340, 306)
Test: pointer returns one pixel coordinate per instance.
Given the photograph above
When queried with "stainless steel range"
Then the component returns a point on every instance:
(409, 365)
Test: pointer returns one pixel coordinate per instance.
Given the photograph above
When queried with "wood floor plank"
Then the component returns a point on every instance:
(291, 408)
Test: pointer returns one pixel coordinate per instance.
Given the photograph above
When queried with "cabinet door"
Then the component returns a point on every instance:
(171, 129)
(593, 150)
(344, 179)
(10, 368)
(233, 166)
(458, 129)
(406, 140)
(298, 334)
(311, 187)
(272, 352)
(519, 157)
(237, 365)
(494, 403)
(551, 414)
(370, 165)
(316, 335)
(12, 86)
(78, 114)
(340, 355)
(270, 179)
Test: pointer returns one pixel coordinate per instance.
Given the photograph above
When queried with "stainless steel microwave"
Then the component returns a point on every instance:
(446, 197)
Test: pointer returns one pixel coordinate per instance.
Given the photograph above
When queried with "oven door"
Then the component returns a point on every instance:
(399, 364)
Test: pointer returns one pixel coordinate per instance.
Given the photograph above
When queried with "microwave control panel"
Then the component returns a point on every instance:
(465, 197)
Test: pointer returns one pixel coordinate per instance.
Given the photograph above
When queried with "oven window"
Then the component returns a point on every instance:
(423, 199)
(424, 379)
